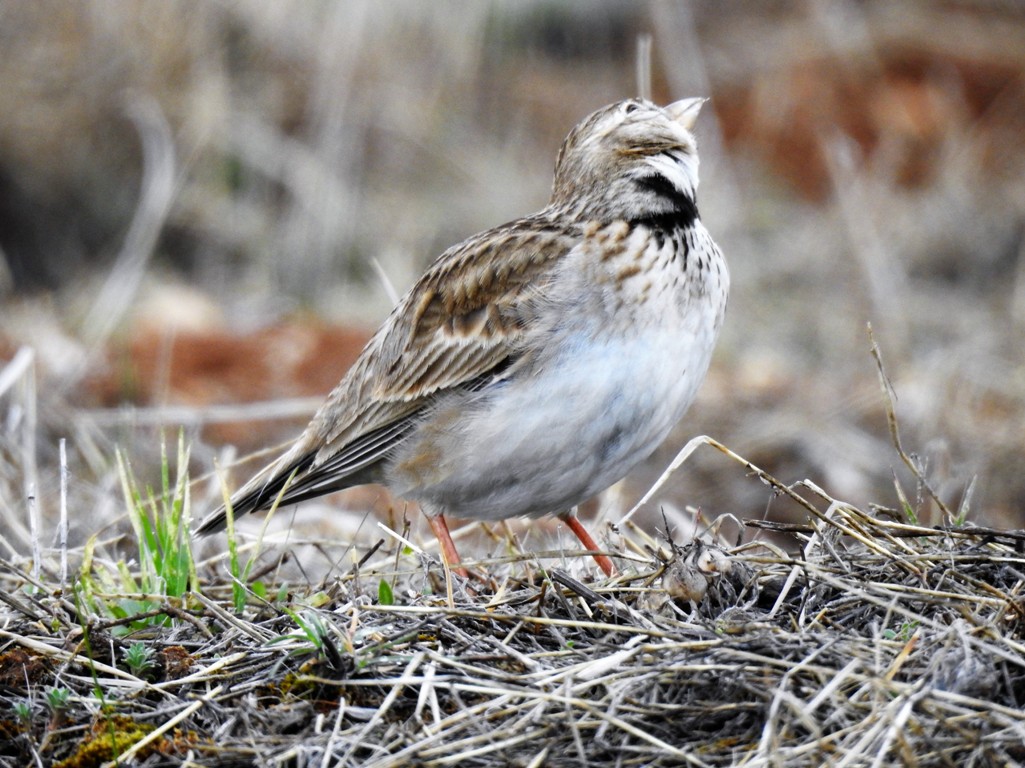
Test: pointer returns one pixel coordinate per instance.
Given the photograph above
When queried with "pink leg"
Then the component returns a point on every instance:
(448, 547)
(604, 562)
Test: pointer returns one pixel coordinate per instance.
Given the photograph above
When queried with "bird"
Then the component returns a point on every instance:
(535, 364)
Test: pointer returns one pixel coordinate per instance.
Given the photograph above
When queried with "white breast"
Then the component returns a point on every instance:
(624, 354)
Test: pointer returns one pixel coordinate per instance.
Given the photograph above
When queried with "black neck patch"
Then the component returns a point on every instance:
(681, 210)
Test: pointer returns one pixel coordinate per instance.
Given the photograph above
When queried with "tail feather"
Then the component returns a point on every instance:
(258, 494)
(306, 477)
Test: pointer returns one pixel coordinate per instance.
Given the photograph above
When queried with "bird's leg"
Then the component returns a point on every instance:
(448, 547)
(604, 561)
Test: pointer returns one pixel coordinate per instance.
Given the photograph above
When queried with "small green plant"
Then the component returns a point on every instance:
(964, 508)
(905, 506)
(139, 658)
(23, 712)
(316, 633)
(903, 632)
(165, 567)
(161, 524)
(909, 513)
(240, 573)
(57, 699)
(384, 593)
(313, 628)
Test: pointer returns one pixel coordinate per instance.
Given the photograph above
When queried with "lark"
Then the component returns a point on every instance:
(535, 364)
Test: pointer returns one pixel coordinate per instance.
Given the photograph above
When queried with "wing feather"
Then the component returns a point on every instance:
(462, 322)
(466, 316)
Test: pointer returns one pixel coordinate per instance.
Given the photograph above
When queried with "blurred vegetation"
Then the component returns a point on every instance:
(235, 174)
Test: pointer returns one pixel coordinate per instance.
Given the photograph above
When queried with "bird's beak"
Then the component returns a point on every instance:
(685, 111)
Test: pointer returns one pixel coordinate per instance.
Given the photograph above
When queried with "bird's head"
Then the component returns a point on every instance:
(630, 160)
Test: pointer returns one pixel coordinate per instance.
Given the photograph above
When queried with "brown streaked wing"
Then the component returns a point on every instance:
(464, 317)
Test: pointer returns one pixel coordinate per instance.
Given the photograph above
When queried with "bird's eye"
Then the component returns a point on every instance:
(630, 108)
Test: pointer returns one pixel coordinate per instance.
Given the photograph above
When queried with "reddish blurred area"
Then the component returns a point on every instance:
(300, 357)
(904, 101)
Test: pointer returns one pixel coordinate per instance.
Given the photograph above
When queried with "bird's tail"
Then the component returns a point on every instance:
(260, 493)
(299, 475)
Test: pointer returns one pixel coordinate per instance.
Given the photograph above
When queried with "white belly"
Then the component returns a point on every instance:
(600, 399)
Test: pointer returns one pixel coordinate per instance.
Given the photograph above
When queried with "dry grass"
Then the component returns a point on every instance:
(876, 642)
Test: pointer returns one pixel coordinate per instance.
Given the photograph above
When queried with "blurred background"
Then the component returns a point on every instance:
(206, 207)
